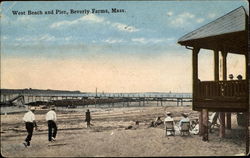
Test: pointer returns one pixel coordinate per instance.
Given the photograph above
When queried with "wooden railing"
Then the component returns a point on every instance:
(222, 89)
(221, 96)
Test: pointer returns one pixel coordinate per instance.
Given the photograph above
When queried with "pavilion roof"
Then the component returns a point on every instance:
(227, 33)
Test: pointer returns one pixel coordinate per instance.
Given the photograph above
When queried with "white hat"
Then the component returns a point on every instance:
(168, 113)
(32, 108)
(185, 114)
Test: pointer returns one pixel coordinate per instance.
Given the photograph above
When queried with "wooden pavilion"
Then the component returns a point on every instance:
(227, 34)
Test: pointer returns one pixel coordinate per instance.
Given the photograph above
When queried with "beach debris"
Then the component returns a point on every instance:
(56, 144)
(137, 123)
(133, 127)
(112, 133)
(129, 127)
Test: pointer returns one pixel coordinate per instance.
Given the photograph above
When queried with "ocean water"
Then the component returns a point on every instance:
(148, 94)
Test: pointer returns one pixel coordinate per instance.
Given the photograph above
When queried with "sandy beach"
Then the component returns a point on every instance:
(108, 137)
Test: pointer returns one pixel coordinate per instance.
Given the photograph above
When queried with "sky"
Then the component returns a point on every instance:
(134, 50)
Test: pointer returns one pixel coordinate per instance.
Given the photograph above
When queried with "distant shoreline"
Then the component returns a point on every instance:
(49, 91)
(30, 90)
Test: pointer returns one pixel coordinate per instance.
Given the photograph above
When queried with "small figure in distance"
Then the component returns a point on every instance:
(87, 118)
(239, 77)
(158, 121)
(133, 127)
(30, 123)
(231, 76)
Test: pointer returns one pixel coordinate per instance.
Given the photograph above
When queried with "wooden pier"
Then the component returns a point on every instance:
(93, 99)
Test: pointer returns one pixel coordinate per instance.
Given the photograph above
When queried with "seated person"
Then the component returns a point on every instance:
(158, 121)
(169, 124)
(184, 119)
(194, 127)
(168, 117)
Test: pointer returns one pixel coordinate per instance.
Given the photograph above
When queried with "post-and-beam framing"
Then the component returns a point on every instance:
(203, 117)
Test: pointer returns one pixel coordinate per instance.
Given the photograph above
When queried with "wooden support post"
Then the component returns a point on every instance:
(222, 124)
(205, 124)
(228, 120)
(201, 131)
(195, 72)
(222, 114)
(224, 65)
(216, 65)
(195, 53)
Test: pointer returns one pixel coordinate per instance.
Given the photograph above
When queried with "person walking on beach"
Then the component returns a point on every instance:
(51, 120)
(30, 123)
(88, 118)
